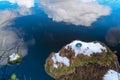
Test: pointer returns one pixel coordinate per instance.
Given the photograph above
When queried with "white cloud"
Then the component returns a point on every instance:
(7, 16)
(8, 38)
(26, 3)
(9, 41)
(23, 3)
(78, 12)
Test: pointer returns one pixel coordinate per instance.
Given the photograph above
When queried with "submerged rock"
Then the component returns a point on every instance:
(83, 61)
(14, 77)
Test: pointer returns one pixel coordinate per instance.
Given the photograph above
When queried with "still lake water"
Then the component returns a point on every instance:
(50, 36)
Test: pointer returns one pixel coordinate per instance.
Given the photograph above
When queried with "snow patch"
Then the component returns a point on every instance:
(14, 57)
(57, 58)
(87, 48)
(111, 75)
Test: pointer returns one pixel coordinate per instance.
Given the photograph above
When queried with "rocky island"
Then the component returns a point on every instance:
(15, 58)
(83, 61)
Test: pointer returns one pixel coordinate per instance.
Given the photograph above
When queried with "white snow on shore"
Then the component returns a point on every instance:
(111, 75)
(86, 48)
(57, 58)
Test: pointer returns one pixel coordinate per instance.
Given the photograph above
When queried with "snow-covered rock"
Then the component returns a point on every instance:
(57, 58)
(14, 58)
(87, 48)
(112, 75)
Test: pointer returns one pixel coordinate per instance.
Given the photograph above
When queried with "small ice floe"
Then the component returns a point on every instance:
(14, 58)
(111, 75)
(86, 48)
